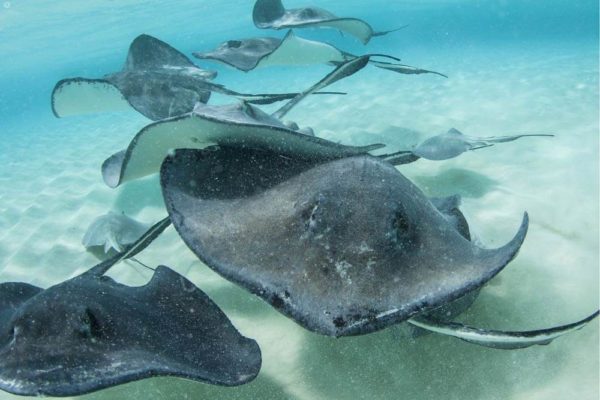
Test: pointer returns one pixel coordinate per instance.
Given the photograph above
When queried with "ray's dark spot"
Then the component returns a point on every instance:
(234, 44)
(339, 322)
(277, 301)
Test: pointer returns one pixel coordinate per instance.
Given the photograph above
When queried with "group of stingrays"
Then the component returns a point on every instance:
(331, 236)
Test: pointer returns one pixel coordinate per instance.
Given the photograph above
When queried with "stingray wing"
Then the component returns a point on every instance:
(235, 125)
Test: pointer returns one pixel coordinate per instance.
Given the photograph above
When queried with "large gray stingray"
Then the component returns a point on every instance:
(270, 14)
(241, 125)
(90, 332)
(157, 81)
(343, 247)
(113, 231)
(249, 54)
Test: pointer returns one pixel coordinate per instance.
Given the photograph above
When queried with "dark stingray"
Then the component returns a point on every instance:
(241, 124)
(343, 247)
(270, 14)
(90, 332)
(157, 80)
(248, 54)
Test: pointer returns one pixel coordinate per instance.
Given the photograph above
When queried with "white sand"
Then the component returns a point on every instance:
(52, 190)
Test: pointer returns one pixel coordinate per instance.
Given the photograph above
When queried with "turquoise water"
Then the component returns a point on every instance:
(513, 66)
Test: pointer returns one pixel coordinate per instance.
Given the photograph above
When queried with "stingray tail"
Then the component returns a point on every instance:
(506, 340)
(504, 139)
(263, 98)
(133, 249)
(342, 71)
(383, 33)
(400, 157)
(405, 69)
(274, 98)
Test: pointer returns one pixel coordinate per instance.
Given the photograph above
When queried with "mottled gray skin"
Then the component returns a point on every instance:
(156, 80)
(159, 81)
(449, 207)
(346, 247)
(244, 54)
(90, 332)
(272, 14)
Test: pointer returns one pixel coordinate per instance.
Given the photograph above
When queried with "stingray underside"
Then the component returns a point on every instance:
(240, 125)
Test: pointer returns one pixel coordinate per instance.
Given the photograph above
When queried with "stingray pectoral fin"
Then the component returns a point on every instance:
(111, 169)
(112, 243)
(353, 26)
(505, 340)
(499, 258)
(77, 96)
(151, 145)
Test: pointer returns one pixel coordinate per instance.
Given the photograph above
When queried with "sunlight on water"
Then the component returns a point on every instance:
(514, 67)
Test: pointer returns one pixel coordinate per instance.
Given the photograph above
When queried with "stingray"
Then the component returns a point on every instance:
(249, 54)
(343, 247)
(113, 231)
(91, 332)
(157, 81)
(453, 143)
(239, 124)
(270, 14)
(450, 145)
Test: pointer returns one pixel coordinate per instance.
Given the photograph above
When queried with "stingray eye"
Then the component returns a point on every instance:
(12, 334)
(401, 229)
(89, 326)
(308, 13)
(311, 212)
(234, 44)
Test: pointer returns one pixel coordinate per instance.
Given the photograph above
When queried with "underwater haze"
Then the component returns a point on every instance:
(513, 66)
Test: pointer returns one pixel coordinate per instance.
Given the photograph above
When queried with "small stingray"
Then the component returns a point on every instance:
(453, 143)
(90, 333)
(270, 14)
(157, 81)
(249, 54)
(241, 125)
(113, 231)
(343, 247)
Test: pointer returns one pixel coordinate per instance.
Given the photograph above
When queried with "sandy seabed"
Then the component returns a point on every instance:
(52, 190)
